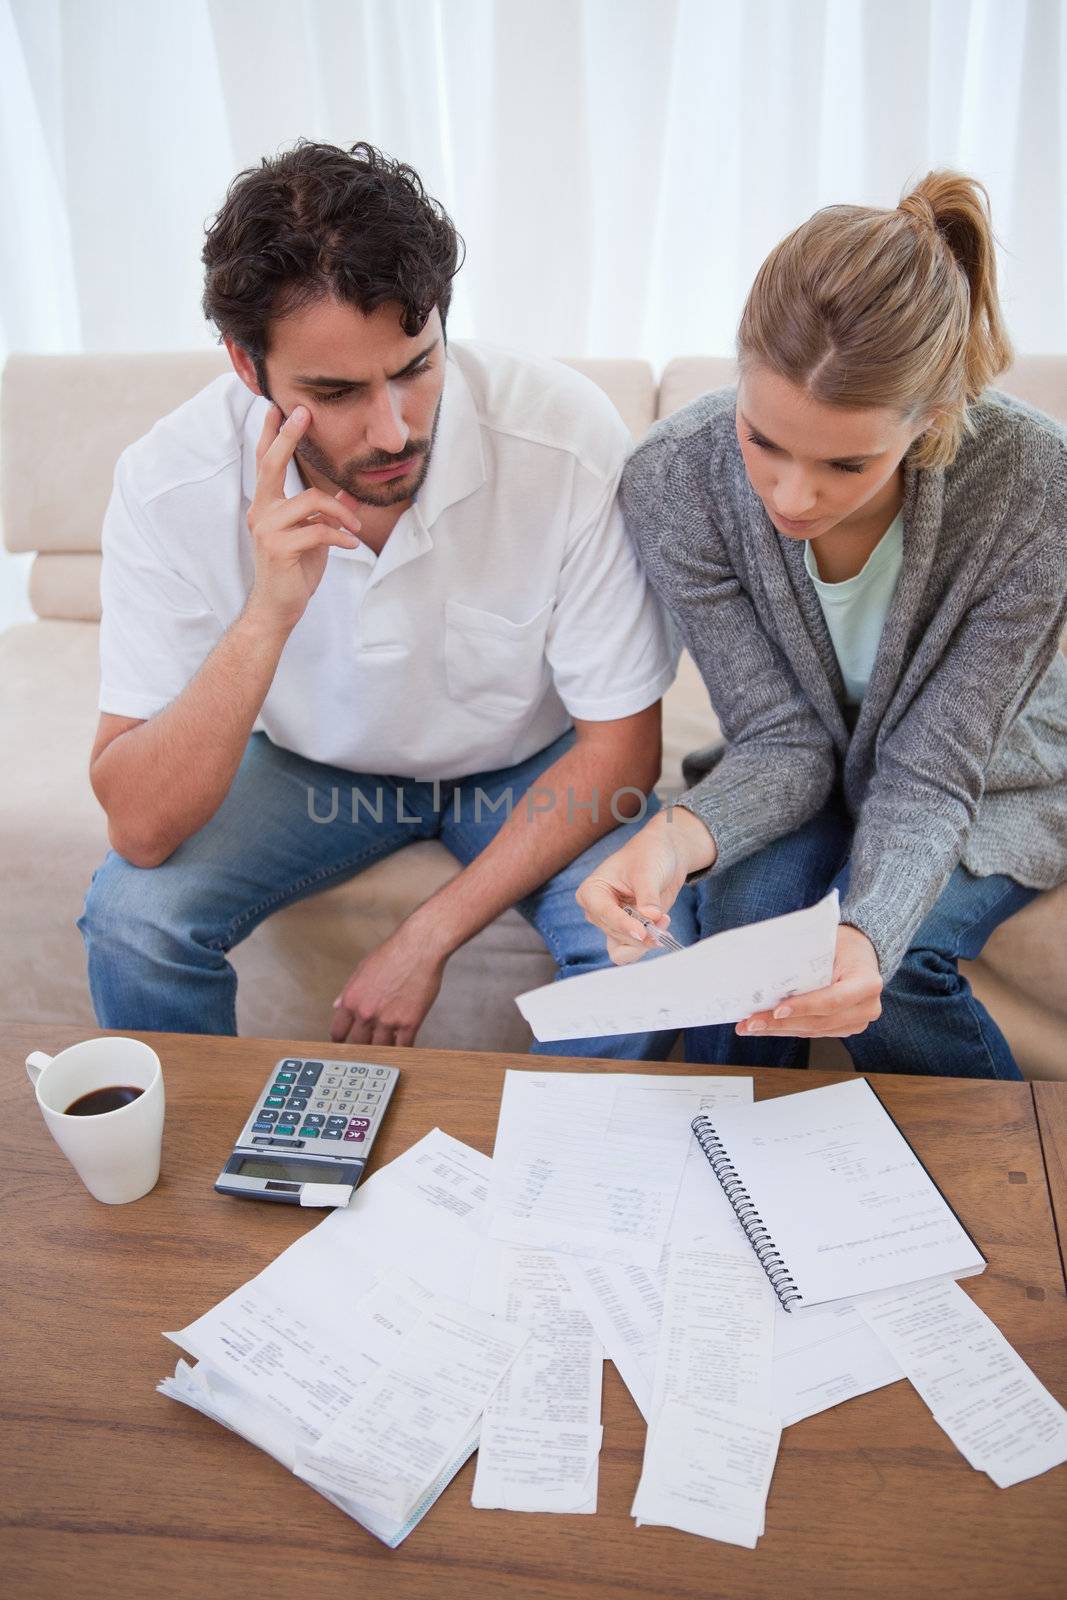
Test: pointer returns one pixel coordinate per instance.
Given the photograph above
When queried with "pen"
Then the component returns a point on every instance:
(667, 940)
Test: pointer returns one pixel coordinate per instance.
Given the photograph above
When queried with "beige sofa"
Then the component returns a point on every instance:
(63, 422)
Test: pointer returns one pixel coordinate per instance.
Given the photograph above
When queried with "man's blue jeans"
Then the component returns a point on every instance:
(931, 1021)
(157, 937)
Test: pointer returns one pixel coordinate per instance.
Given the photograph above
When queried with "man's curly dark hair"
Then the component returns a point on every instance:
(317, 221)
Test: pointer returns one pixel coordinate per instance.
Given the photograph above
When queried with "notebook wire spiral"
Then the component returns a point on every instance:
(752, 1224)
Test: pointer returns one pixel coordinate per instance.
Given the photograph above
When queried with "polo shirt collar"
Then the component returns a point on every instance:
(457, 465)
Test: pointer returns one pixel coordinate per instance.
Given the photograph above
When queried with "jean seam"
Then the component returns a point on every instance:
(313, 880)
(963, 931)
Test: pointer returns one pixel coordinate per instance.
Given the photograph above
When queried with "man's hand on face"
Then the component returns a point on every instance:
(291, 536)
(387, 997)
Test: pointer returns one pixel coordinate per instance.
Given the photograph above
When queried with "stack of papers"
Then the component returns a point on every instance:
(460, 1299)
(356, 1358)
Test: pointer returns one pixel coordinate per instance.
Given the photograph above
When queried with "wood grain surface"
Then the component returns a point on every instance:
(111, 1490)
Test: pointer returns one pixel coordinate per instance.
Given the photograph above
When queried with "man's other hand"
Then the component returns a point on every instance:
(386, 999)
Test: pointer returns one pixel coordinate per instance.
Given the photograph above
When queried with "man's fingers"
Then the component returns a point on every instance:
(405, 1037)
(270, 481)
(382, 1034)
(310, 535)
(342, 1021)
(268, 433)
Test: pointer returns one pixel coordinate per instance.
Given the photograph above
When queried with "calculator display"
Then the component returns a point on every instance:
(293, 1171)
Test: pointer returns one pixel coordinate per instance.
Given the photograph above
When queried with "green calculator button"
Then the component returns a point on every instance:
(274, 1100)
(310, 1133)
(287, 1077)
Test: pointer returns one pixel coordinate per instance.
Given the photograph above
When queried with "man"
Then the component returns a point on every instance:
(367, 589)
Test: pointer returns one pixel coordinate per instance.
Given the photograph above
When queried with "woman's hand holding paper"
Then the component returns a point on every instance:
(849, 1002)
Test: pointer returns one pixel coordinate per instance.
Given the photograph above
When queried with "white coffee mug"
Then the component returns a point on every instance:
(115, 1153)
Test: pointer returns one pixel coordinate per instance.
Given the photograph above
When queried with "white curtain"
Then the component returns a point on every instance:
(619, 168)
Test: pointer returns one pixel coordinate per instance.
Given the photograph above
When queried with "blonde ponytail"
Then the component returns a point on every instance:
(865, 307)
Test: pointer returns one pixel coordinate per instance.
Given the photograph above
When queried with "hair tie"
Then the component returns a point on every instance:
(917, 208)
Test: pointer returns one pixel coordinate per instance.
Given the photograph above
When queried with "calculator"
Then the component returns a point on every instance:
(310, 1132)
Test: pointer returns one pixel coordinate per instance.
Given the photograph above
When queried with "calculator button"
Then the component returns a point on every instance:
(332, 1133)
(344, 1106)
(313, 1122)
(274, 1100)
(279, 1088)
(262, 1127)
(297, 1105)
(359, 1122)
(381, 1072)
(310, 1133)
(297, 1064)
(288, 1119)
(286, 1077)
(310, 1074)
(317, 1065)
(336, 1122)
(266, 1116)
(355, 1136)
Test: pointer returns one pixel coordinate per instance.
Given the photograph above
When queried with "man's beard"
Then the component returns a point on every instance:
(390, 493)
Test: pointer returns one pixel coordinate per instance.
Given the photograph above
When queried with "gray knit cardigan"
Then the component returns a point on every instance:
(959, 750)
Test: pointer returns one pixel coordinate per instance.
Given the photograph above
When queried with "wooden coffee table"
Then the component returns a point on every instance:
(112, 1491)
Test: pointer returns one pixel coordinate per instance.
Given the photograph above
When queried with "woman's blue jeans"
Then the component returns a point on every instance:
(157, 938)
(931, 1021)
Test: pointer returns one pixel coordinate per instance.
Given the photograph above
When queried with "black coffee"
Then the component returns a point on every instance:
(97, 1101)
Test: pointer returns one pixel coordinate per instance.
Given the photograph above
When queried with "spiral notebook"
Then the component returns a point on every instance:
(833, 1199)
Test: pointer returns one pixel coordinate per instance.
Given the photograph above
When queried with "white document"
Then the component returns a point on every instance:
(541, 1433)
(282, 1358)
(840, 1195)
(708, 1470)
(721, 979)
(624, 1303)
(589, 1163)
(289, 1361)
(717, 1339)
(414, 1414)
(823, 1358)
(711, 1397)
(997, 1413)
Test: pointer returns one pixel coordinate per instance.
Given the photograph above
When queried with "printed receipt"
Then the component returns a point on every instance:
(541, 1433)
(999, 1416)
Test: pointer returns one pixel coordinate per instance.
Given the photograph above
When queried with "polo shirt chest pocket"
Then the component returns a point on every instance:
(490, 660)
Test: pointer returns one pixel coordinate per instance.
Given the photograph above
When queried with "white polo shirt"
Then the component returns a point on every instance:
(506, 601)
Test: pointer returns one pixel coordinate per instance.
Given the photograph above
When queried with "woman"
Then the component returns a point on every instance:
(866, 552)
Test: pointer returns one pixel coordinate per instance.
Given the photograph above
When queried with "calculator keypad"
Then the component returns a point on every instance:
(322, 1101)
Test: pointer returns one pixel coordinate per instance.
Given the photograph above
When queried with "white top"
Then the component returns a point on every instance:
(506, 601)
(855, 610)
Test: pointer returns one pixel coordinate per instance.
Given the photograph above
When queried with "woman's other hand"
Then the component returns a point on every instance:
(846, 1006)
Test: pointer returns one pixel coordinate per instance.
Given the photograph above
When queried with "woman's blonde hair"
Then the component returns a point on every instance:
(864, 307)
